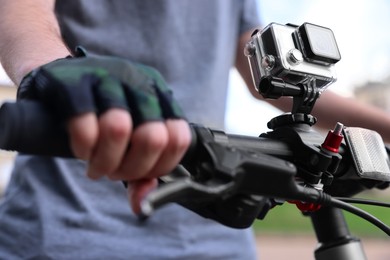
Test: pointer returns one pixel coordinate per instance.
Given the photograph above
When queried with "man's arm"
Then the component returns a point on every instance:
(30, 36)
(329, 108)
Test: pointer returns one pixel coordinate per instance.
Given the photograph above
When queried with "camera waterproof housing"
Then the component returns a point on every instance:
(296, 55)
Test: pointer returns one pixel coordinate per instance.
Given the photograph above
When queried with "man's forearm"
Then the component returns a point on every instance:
(30, 36)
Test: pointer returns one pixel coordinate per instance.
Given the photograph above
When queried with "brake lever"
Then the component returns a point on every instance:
(229, 185)
(183, 191)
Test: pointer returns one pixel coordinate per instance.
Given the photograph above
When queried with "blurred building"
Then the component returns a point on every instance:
(375, 93)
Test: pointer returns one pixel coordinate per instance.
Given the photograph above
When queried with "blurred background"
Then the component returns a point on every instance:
(361, 31)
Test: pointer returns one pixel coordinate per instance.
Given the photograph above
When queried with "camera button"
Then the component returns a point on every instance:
(294, 56)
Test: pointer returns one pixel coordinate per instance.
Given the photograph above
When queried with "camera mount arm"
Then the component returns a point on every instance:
(304, 95)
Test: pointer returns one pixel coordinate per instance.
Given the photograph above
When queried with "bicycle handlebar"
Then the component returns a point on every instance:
(227, 172)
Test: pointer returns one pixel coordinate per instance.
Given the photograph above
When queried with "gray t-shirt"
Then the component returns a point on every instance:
(51, 210)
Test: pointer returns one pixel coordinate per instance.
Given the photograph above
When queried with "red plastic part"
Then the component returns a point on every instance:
(332, 142)
(306, 207)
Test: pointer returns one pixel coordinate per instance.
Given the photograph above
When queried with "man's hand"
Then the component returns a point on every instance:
(121, 117)
(156, 148)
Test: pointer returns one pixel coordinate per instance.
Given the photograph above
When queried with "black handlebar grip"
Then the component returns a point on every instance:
(27, 127)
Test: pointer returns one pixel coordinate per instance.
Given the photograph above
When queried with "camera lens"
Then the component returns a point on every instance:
(319, 43)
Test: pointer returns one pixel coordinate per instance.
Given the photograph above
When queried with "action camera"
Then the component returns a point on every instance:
(296, 55)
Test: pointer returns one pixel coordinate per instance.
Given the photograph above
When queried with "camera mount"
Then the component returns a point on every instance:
(304, 98)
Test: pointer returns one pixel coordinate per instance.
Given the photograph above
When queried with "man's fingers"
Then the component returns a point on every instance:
(84, 132)
(146, 146)
(179, 139)
(137, 191)
(115, 128)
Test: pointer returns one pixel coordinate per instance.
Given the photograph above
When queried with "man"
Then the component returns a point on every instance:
(51, 209)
